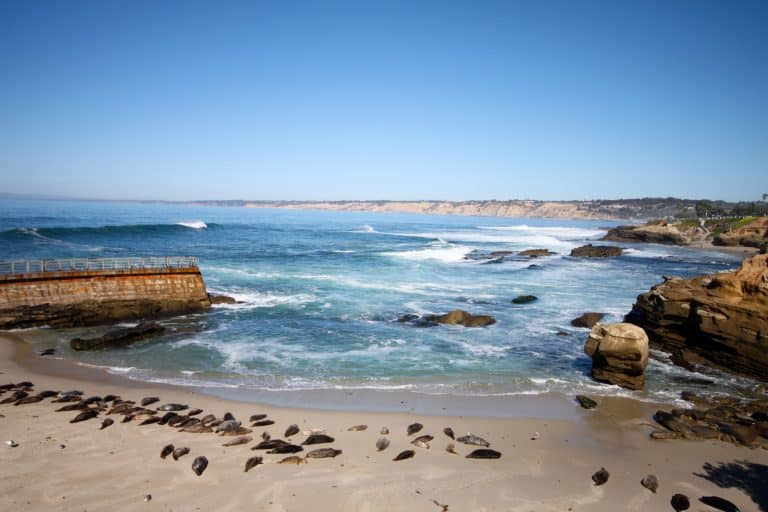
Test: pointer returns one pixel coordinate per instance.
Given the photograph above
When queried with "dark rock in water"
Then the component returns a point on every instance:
(586, 402)
(601, 476)
(680, 502)
(220, 299)
(716, 320)
(405, 454)
(414, 428)
(719, 503)
(85, 415)
(524, 299)
(149, 400)
(166, 451)
(323, 453)
(536, 253)
(253, 462)
(199, 465)
(416, 320)
(449, 432)
(596, 251)
(48, 352)
(286, 448)
(651, 483)
(587, 320)
(119, 337)
(292, 430)
(317, 439)
(408, 317)
(460, 317)
(484, 453)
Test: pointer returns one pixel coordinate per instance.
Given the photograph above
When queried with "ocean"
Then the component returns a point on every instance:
(320, 294)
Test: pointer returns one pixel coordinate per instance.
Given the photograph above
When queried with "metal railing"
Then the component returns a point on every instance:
(83, 264)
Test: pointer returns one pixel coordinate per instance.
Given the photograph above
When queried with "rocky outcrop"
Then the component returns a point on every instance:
(460, 317)
(719, 320)
(524, 299)
(216, 298)
(587, 320)
(596, 251)
(754, 234)
(658, 233)
(119, 337)
(536, 253)
(619, 354)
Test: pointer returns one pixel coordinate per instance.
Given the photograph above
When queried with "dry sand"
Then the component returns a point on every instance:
(115, 468)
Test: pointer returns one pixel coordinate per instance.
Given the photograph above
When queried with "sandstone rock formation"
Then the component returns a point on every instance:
(587, 320)
(619, 354)
(216, 298)
(535, 253)
(719, 320)
(658, 233)
(754, 234)
(460, 317)
(118, 337)
(596, 251)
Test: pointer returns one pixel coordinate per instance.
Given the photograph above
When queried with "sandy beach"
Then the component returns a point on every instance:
(546, 464)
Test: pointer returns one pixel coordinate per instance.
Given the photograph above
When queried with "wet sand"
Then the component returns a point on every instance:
(113, 469)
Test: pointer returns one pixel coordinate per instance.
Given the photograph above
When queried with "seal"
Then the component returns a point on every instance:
(406, 454)
(228, 416)
(257, 417)
(208, 418)
(474, 440)
(150, 420)
(85, 415)
(601, 476)
(238, 441)
(71, 407)
(197, 428)
(451, 449)
(47, 393)
(449, 432)
(166, 418)
(194, 412)
(382, 444)
(28, 400)
(650, 482)
(293, 459)
(586, 402)
(719, 503)
(166, 451)
(180, 452)
(199, 465)
(173, 407)
(318, 439)
(287, 448)
(149, 400)
(235, 431)
(680, 502)
(110, 398)
(422, 441)
(484, 453)
(262, 423)
(384, 431)
(269, 444)
(291, 430)
(106, 423)
(358, 428)
(413, 428)
(253, 462)
(323, 453)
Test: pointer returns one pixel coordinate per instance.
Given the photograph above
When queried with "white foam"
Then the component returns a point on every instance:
(365, 228)
(252, 300)
(194, 224)
(446, 254)
(556, 231)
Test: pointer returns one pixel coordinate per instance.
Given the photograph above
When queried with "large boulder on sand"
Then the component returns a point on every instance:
(619, 354)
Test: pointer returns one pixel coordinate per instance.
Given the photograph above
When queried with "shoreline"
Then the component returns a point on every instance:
(546, 463)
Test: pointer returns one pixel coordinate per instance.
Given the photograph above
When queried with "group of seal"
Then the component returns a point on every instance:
(88, 408)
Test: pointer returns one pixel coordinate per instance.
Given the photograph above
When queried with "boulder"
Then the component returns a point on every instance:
(118, 337)
(460, 317)
(535, 253)
(596, 251)
(719, 320)
(524, 299)
(216, 298)
(619, 354)
(587, 320)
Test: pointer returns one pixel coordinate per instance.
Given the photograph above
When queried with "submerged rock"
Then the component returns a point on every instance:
(461, 317)
(535, 253)
(524, 299)
(596, 251)
(118, 337)
(587, 320)
(619, 354)
(215, 298)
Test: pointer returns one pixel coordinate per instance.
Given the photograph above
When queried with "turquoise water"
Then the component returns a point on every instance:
(321, 293)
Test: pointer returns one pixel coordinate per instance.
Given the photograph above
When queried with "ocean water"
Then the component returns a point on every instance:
(321, 292)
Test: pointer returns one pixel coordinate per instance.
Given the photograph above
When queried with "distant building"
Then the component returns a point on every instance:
(765, 198)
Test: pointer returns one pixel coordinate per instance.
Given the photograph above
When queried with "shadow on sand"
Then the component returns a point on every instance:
(748, 477)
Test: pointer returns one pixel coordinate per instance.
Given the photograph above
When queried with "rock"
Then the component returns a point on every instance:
(536, 253)
(658, 233)
(524, 299)
(754, 234)
(596, 251)
(586, 402)
(215, 298)
(460, 317)
(119, 337)
(619, 354)
(717, 320)
(587, 320)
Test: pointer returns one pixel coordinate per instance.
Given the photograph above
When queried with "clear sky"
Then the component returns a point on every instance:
(384, 100)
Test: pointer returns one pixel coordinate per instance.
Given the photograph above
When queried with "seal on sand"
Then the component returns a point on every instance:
(650, 482)
(318, 439)
(291, 430)
(414, 428)
(484, 453)
(293, 459)
(680, 502)
(449, 432)
(601, 476)
(287, 448)
(253, 462)
(85, 415)
(422, 441)
(180, 452)
(166, 451)
(199, 465)
(323, 453)
(382, 444)
(107, 422)
(406, 454)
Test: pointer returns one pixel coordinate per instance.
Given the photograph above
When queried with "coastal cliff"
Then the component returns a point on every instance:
(719, 320)
(92, 297)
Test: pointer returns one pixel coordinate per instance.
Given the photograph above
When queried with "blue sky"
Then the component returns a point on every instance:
(384, 100)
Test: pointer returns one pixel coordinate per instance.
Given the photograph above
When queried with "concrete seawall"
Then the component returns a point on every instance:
(89, 297)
